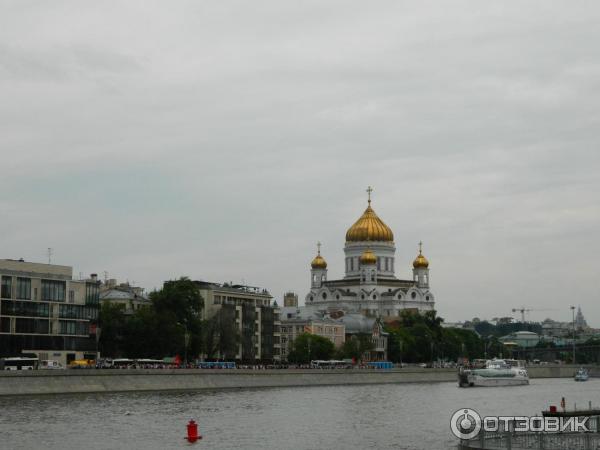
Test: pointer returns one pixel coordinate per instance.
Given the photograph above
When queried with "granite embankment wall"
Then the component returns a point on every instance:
(80, 381)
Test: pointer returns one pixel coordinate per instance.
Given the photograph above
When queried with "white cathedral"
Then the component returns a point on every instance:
(370, 286)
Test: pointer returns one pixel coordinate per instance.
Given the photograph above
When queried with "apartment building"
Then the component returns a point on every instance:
(43, 310)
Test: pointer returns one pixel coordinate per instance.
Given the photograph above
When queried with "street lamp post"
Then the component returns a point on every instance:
(573, 312)
(187, 342)
(98, 331)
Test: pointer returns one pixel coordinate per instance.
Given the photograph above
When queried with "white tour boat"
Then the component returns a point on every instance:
(497, 372)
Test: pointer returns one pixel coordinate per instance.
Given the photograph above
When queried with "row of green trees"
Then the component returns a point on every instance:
(307, 347)
(170, 325)
(420, 338)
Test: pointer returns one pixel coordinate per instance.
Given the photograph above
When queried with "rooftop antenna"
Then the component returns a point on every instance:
(105, 276)
(50, 252)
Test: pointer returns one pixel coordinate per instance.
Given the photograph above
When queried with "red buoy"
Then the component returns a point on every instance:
(192, 431)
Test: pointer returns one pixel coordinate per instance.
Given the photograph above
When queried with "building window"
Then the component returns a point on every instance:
(24, 288)
(351, 264)
(71, 296)
(378, 263)
(387, 263)
(53, 290)
(374, 297)
(413, 295)
(427, 298)
(6, 287)
(324, 296)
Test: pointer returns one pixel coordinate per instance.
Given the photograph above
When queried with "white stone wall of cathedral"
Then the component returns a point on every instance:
(371, 298)
(385, 252)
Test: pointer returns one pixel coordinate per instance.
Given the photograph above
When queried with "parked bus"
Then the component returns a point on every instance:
(19, 363)
(330, 364)
(122, 363)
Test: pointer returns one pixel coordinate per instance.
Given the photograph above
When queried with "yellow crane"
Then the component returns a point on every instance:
(524, 310)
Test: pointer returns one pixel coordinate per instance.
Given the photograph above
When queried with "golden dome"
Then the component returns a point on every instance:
(420, 261)
(369, 227)
(319, 262)
(368, 257)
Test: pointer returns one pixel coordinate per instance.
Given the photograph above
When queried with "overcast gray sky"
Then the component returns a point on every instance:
(221, 140)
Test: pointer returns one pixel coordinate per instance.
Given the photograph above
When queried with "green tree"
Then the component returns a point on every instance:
(356, 346)
(220, 335)
(112, 322)
(178, 306)
(307, 347)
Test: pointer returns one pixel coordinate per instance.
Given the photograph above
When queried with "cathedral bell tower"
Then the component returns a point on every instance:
(318, 272)
(421, 269)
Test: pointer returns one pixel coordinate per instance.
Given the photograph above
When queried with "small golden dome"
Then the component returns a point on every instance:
(368, 257)
(420, 261)
(319, 262)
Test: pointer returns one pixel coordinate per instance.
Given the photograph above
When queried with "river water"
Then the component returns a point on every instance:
(390, 416)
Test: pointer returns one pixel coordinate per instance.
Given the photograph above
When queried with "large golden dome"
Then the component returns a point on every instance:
(369, 227)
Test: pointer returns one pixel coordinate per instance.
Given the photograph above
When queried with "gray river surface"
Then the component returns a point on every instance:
(390, 416)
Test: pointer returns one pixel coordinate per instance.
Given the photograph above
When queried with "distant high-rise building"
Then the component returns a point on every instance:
(290, 300)
(580, 322)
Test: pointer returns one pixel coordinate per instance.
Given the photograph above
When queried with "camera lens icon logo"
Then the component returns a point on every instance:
(465, 423)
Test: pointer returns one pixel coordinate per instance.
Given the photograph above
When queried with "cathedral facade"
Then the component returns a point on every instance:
(370, 286)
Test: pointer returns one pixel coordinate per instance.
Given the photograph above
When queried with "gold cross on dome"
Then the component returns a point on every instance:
(318, 248)
(369, 190)
(420, 247)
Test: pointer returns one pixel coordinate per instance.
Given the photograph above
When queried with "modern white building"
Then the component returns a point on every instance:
(370, 286)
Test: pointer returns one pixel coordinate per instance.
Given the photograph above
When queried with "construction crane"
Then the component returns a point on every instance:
(524, 310)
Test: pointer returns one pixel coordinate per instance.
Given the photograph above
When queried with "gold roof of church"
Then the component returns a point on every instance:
(420, 261)
(369, 227)
(319, 262)
(368, 257)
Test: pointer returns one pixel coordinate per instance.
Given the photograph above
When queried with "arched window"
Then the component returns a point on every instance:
(324, 296)
(413, 295)
(374, 297)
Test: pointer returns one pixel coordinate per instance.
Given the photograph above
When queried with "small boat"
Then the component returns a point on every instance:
(497, 372)
(581, 375)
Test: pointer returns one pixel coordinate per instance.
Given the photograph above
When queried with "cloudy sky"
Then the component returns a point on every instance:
(221, 140)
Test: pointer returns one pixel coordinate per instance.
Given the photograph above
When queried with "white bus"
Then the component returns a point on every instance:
(19, 363)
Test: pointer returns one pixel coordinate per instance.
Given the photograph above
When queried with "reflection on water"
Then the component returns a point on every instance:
(401, 416)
